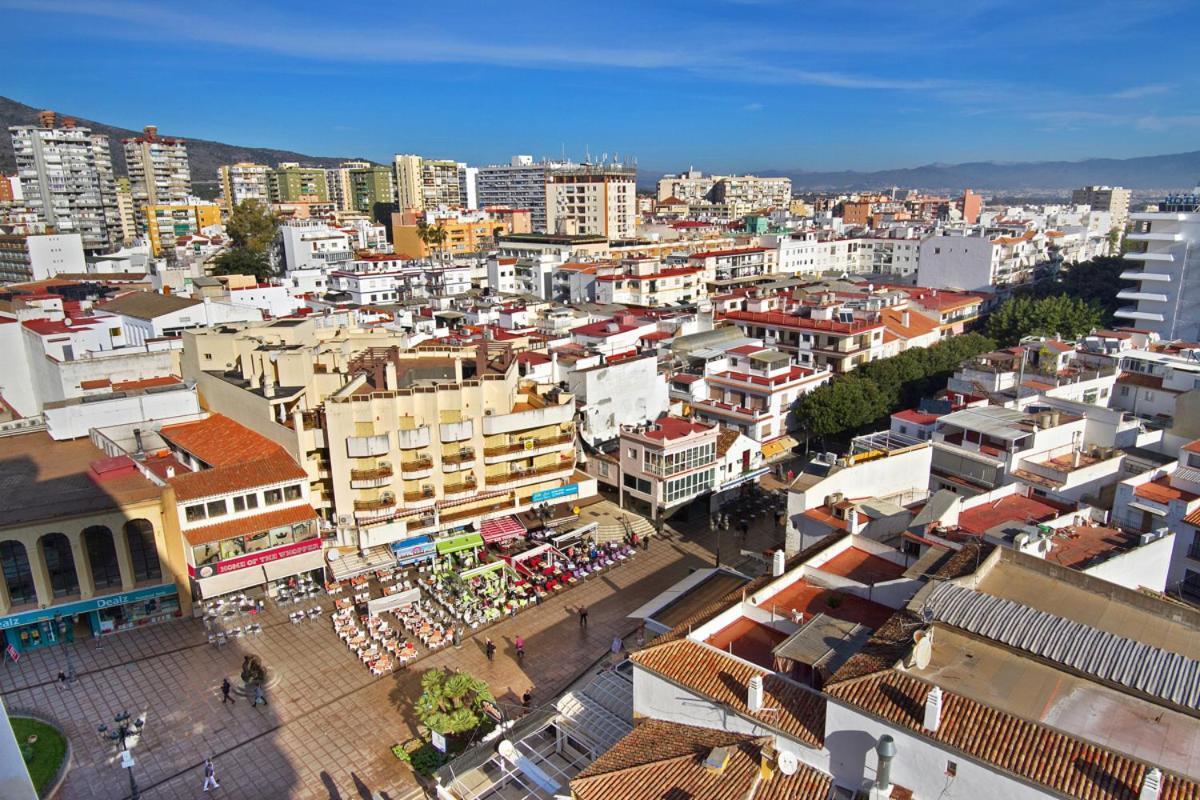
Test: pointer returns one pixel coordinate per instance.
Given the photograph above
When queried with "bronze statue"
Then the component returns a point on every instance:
(253, 671)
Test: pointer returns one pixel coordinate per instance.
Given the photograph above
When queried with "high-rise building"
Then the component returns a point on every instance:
(158, 172)
(67, 179)
(369, 186)
(972, 204)
(127, 220)
(595, 199)
(423, 183)
(741, 193)
(1168, 295)
(1112, 199)
(166, 223)
(338, 181)
(292, 183)
(468, 181)
(518, 184)
(244, 181)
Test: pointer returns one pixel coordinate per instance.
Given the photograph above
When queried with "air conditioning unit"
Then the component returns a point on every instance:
(345, 521)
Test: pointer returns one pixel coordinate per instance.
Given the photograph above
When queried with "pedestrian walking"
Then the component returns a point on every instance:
(490, 648)
(527, 698)
(519, 643)
(583, 612)
(260, 697)
(226, 697)
(210, 775)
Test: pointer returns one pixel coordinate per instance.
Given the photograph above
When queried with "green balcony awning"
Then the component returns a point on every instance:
(457, 543)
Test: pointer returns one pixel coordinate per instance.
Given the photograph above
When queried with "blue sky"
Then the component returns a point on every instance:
(719, 84)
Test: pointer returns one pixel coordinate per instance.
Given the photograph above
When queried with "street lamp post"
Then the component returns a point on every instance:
(125, 733)
(61, 626)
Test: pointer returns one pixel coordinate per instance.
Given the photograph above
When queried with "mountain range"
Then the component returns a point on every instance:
(1146, 173)
(203, 156)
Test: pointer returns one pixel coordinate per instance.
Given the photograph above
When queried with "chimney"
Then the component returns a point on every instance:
(885, 751)
(778, 563)
(1151, 784)
(754, 694)
(718, 757)
(481, 359)
(151, 131)
(933, 709)
(46, 119)
(1076, 457)
(137, 439)
(904, 318)
(170, 471)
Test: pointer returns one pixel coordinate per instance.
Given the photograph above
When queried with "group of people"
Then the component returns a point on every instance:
(260, 695)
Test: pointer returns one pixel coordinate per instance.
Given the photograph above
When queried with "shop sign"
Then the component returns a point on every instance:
(84, 606)
(553, 494)
(255, 559)
(439, 741)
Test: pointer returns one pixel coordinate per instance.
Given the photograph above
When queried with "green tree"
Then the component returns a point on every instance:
(451, 702)
(252, 226)
(1097, 281)
(240, 261)
(1023, 316)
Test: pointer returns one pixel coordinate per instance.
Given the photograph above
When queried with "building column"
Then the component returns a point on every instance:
(41, 574)
(124, 559)
(5, 602)
(83, 568)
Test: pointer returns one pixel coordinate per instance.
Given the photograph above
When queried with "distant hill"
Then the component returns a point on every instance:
(1175, 171)
(203, 156)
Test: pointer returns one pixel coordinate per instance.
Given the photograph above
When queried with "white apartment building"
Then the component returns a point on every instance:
(1167, 300)
(37, 257)
(646, 282)
(468, 186)
(158, 172)
(313, 244)
(390, 279)
(244, 181)
(739, 194)
(67, 180)
(734, 268)
(974, 262)
(667, 463)
(1152, 380)
(592, 199)
(1113, 199)
(755, 392)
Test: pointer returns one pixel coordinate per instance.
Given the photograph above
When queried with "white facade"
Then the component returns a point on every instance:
(627, 392)
(590, 199)
(1167, 299)
(311, 244)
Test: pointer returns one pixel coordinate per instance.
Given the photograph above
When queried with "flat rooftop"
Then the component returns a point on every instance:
(41, 479)
(1030, 689)
(862, 567)
(810, 599)
(709, 590)
(1145, 623)
(748, 639)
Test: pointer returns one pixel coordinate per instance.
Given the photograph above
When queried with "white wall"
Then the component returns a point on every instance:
(52, 254)
(624, 393)
(955, 262)
(73, 421)
(1148, 565)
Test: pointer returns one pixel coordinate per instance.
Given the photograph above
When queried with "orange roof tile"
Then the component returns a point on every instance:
(1064, 764)
(1161, 491)
(789, 707)
(233, 477)
(665, 759)
(218, 440)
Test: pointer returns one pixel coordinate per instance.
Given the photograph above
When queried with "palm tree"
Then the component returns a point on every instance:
(451, 703)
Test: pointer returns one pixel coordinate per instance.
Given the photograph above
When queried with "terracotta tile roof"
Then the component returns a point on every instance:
(1192, 447)
(1161, 491)
(1193, 519)
(1064, 764)
(238, 458)
(788, 707)
(246, 525)
(1137, 379)
(1013, 508)
(663, 759)
(218, 440)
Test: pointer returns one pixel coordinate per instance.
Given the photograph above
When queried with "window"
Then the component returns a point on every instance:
(114, 331)
(273, 497)
(688, 486)
(208, 356)
(633, 452)
(217, 508)
(195, 513)
(1124, 391)
(602, 468)
(292, 492)
(239, 503)
(251, 501)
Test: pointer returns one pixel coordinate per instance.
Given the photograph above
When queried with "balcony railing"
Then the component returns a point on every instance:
(417, 465)
(379, 504)
(463, 455)
(371, 474)
(423, 495)
(517, 476)
(529, 444)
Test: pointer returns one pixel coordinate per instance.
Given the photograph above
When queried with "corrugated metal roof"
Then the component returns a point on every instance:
(1104, 656)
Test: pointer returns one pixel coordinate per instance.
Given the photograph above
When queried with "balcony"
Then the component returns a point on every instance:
(1149, 257)
(1131, 312)
(372, 509)
(457, 491)
(456, 462)
(1155, 237)
(426, 496)
(1133, 294)
(525, 449)
(413, 438)
(518, 477)
(367, 446)
(371, 478)
(532, 418)
(417, 468)
(456, 431)
(1161, 277)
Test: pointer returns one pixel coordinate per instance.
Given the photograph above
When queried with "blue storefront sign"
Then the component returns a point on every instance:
(554, 494)
(418, 548)
(104, 614)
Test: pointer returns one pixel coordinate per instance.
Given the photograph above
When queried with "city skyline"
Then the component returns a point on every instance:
(785, 88)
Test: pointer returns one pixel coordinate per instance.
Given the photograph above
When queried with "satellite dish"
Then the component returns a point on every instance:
(507, 750)
(788, 763)
(922, 652)
(334, 554)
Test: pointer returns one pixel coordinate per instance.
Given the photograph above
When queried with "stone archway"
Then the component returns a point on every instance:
(60, 564)
(101, 553)
(143, 552)
(17, 573)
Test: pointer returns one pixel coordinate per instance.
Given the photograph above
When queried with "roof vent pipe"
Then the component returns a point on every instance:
(754, 694)
(885, 751)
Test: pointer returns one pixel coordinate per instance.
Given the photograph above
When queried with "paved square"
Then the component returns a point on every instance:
(329, 725)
